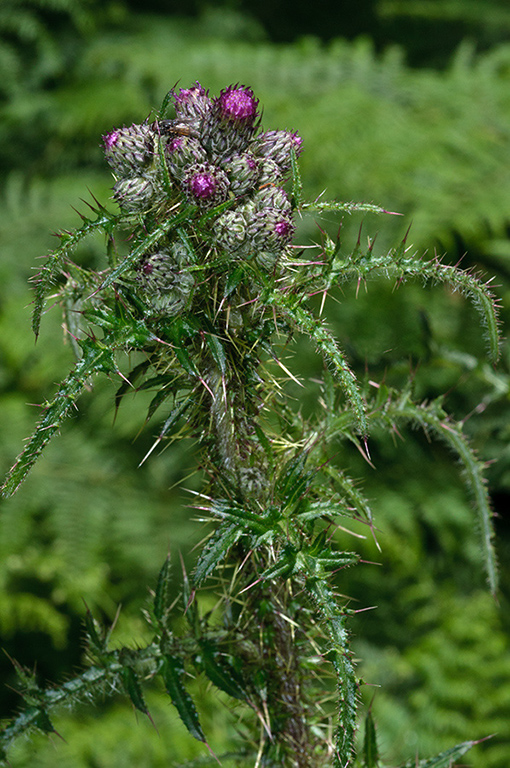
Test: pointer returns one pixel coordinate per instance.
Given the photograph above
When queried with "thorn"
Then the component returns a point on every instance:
(404, 240)
(365, 452)
(358, 242)
(253, 584)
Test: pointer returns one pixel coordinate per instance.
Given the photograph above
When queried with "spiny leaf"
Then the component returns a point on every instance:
(217, 351)
(370, 751)
(348, 487)
(172, 671)
(134, 689)
(130, 380)
(432, 417)
(344, 207)
(52, 269)
(96, 643)
(284, 566)
(293, 481)
(97, 357)
(444, 760)
(341, 657)
(326, 344)
(163, 597)
(398, 264)
(215, 550)
(147, 242)
(219, 671)
(234, 278)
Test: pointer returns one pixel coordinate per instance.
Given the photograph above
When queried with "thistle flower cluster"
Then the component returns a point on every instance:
(212, 153)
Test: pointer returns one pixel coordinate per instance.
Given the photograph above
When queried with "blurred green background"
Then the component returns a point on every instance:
(405, 103)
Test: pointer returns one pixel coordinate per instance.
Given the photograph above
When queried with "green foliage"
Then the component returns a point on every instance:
(271, 486)
(416, 141)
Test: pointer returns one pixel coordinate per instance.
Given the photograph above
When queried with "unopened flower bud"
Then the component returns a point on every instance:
(129, 151)
(136, 194)
(192, 103)
(272, 197)
(205, 185)
(270, 229)
(230, 231)
(166, 286)
(270, 172)
(243, 172)
(181, 152)
(277, 145)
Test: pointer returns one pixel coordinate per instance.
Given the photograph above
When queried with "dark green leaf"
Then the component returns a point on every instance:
(163, 596)
(96, 358)
(134, 689)
(370, 750)
(172, 671)
(234, 278)
(217, 351)
(97, 644)
(293, 481)
(216, 667)
(443, 760)
(215, 550)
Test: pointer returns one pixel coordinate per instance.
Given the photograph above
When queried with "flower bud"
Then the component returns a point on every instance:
(270, 229)
(205, 185)
(192, 103)
(272, 197)
(243, 172)
(181, 152)
(277, 145)
(129, 151)
(230, 231)
(231, 122)
(166, 286)
(270, 172)
(136, 194)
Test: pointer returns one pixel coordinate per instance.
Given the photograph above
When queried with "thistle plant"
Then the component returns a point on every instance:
(201, 294)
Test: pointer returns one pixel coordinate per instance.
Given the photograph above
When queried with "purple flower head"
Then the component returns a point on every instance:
(175, 144)
(237, 104)
(270, 229)
(110, 139)
(147, 268)
(192, 103)
(283, 229)
(205, 185)
(231, 123)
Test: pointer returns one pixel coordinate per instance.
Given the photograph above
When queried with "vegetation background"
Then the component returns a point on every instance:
(403, 103)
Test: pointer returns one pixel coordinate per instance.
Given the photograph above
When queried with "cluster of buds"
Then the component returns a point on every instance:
(212, 152)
